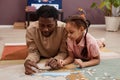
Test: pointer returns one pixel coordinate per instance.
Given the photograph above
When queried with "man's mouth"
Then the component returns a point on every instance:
(46, 34)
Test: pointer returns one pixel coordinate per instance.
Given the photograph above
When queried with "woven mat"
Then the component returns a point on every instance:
(17, 72)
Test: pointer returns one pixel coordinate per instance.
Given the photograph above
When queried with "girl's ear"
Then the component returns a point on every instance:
(82, 28)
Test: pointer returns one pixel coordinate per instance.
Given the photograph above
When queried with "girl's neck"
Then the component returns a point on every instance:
(79, 39)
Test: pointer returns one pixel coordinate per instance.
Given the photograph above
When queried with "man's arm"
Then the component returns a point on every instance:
(33, 53)
(62, 53)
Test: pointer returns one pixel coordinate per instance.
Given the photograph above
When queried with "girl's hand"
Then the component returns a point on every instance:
(79, 62)
(61, 63)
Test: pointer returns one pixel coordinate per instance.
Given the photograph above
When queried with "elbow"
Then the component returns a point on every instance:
(98, 61)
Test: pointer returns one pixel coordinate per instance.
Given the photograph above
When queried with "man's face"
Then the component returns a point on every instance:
(47, 26)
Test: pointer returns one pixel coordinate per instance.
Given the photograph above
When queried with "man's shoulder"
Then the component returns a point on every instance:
(61, 29)
(33, 25)
(61, 24)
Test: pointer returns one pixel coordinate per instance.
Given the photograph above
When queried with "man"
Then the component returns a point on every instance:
(45, 39)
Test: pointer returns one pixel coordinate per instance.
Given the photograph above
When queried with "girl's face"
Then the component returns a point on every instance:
(73, 32)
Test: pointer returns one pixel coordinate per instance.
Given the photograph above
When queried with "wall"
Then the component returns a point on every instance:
(70, 7)
(14, 10)
(11, 11)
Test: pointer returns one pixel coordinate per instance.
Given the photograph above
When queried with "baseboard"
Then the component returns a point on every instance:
(92, 25)
(97, 25)
(6, 26)
(14, 44)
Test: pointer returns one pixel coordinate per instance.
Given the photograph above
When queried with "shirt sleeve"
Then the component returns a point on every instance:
(94, 50)
(33, 53)
(62, 54)
(70, 45)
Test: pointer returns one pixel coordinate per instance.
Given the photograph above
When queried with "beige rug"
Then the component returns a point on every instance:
(108, 54)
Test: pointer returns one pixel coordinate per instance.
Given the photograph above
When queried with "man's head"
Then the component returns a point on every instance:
(48, 16)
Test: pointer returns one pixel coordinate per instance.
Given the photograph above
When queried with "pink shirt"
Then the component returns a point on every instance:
(92, 47)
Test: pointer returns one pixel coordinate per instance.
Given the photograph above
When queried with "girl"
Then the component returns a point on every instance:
(82, 47)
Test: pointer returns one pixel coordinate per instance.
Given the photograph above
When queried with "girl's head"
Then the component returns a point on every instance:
(82, 13)
(76, 26)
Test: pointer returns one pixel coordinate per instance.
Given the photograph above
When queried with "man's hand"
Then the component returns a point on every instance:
(28, 67)
(53, 63)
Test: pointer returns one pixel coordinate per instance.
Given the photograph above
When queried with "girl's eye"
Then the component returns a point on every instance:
(71, 32)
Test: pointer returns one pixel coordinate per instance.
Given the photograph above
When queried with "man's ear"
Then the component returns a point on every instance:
(56, 22)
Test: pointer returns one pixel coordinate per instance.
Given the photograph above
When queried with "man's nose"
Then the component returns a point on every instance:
(46, 29)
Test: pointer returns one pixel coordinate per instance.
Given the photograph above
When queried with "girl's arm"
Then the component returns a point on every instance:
(92, 62)
(69, 59)
(95, 55)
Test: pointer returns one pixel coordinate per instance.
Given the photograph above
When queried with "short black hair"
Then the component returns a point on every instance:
(47, 11)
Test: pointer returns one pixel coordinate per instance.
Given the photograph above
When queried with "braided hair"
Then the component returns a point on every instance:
(79, 21)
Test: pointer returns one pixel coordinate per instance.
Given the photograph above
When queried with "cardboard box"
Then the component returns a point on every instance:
(19, 25)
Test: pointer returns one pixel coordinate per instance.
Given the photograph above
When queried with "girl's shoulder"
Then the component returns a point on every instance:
(90, 39)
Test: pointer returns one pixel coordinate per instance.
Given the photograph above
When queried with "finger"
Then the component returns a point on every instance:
(60, 63)
(36, 66)
(48, 61)
(28, 71)
(53, 65)
(75, 62)
(33, 64)
(30, 68)
(53, 62)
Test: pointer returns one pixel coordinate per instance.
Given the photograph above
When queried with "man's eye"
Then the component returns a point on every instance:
(41, 25)
(50, 25)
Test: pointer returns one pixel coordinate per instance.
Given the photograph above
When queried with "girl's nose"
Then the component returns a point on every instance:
(68, 35)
